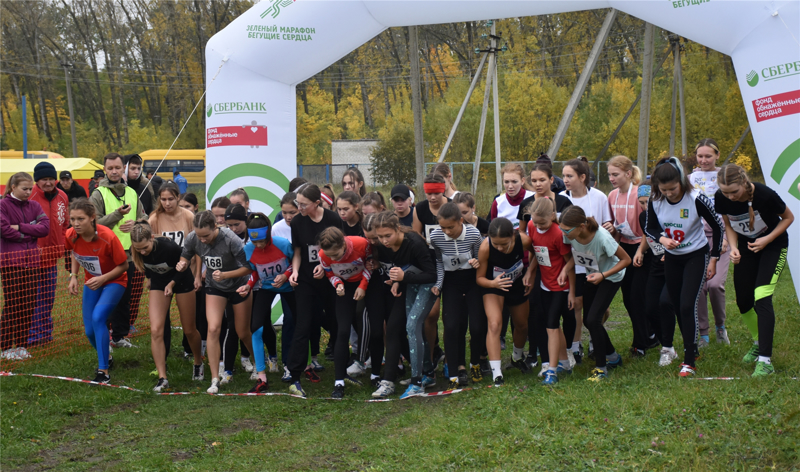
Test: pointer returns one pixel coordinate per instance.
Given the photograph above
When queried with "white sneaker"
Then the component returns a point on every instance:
(254, 375)
(23, 353)
(571, 359)
(214, 388)
(162, 384)
(11, 354)
(198, 372)
(386, 389)
(722, 336)
(405, 381)
(225, 377)
(668, 355)
(124, 342)
(545, 368)
(248, 366)
(368, 363)
(356, 369)
(272, 363)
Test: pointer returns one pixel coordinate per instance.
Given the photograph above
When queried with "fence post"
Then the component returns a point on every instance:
(327, 173)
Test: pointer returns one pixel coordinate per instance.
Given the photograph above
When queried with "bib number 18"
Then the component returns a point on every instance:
(676, 235)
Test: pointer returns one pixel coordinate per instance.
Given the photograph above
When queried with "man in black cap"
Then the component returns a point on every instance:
(98, 174)
(401, 200)
(70, 187)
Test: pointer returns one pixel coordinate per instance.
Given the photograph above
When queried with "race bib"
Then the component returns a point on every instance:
(384, 268)
(213, 262)
(176, 236)
(428, 230)
(90, 264)
(625, 229)
(347, 270)
(657, 248)
(542, 255)
(268, 272)
(589, 261)
(161, 268)
(513, 273)
(458, 262)
(313, 254)
(741, 224)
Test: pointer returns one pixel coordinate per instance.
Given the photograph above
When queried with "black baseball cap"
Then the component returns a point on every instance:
(236, 212)
(99, 174)
(65, 174)
(401, 191)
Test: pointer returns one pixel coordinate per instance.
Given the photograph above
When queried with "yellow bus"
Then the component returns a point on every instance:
(191, 163)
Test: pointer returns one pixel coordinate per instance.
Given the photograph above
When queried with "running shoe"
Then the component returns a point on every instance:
(561, 370)
(571, 359)
(545, 367)
(521, 365)
(597, 375)
(428, 380)
(702, 342)
(498, 381)
(376, 382)
(446, 371)
(261, 387)
(405, 382)
(502, 344)
(356, 369)
(368, 363)
(247, 364)
(225, 377)
(385, 389)
(722, 336)
(752, 354)
(254, 375)
(297, 389)
(287, 376)
(654, 343)
(311, 375)
(214, 388)
(353, 381)
(316, 365)
(162, 384)
(763, 369)
(531, 361)
(463, 379)
(550, 378)
(154, 373)
(477, 375)
(637, 353)
(578, 355)
(614, 364)
(453, 385)
(187, 355)
(124, 342)
(23, 353)
(110, 362)
(10, 354)
(272, 364)
(687, 370)
(197, 372)
(101, 377)
(413, 390)
(668, 355)
(486, 368)
(338, 392)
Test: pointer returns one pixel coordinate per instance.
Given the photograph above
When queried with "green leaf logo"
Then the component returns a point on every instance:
(752, 78)
(210, 111)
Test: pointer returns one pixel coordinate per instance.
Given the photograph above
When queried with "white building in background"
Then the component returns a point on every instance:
(347, 152)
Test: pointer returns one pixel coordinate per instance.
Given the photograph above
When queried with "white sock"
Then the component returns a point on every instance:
(373, 376)
(496, 372)
(517, 354)
(591, 346)
(576, 346)
(764, 359)
(338, 383)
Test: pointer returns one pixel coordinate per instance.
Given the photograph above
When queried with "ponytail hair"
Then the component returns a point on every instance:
(668, 170)
(331, 238)
(731, 174)
(205, 219)
(624, 163)
(15, 180)
(388, 219)
(444, 170)
(141, 232)
(374, 199)
(574, 216)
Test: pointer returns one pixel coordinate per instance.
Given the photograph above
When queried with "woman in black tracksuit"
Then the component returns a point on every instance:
(675, 217)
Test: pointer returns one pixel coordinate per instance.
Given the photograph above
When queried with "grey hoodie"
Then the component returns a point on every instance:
(226, 253)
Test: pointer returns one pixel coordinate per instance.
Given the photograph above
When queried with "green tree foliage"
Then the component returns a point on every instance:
(393, 158)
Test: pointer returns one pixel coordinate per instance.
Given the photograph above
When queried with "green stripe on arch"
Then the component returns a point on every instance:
(247, 170)
(788, 157)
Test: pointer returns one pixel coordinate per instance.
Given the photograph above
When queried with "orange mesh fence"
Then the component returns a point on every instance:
(41, 320)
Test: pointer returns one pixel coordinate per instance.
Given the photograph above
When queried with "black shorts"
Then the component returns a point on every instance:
(580, 281)
(232, 297)
(183, 284)
(515, 295)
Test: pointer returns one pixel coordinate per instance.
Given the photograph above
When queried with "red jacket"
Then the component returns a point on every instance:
(57, 209)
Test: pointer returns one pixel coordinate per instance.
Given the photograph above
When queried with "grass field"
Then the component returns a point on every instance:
(643, 418)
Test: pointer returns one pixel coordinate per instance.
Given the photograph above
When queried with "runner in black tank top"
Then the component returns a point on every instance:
(501, 273)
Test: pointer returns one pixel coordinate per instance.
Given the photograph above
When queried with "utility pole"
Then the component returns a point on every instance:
(679, 76)
(673, 39)
(416, 107)
(580, 86)
(647, 88)
(496, 105)
(68, 65)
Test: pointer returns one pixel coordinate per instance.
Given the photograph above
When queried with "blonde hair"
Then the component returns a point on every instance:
(141, 232)
(444, 170)
(731, 174)
(512, 168)
(624, 163)
(543, 208)
(15, 180)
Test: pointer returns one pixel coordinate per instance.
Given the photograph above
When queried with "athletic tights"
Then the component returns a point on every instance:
(685, 276)
(596, 300)
(462, 307)
(261, 325)
(97, 306)
(633, 297)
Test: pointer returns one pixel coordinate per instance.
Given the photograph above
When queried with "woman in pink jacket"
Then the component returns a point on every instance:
(22, 222)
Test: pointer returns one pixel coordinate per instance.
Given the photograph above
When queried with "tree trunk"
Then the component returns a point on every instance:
(387, 108)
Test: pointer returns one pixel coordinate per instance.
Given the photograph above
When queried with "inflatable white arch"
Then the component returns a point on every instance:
(255, 63)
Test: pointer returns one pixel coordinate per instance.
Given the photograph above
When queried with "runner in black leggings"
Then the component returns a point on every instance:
(675, 217)
(605, 261)
(756, 220)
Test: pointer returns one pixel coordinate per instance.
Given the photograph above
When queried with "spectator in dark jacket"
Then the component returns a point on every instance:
(70, 187)
(98, 174)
